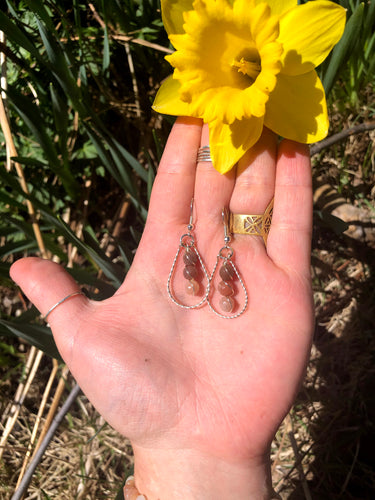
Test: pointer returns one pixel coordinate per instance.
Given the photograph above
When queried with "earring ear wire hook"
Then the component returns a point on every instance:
(191, 225)
(225, 215)
(191, 259)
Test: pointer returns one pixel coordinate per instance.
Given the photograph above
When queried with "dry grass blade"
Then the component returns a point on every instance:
(299, 467)
(19, 397)
(134, 80)
(42, 448)
(17, 404)
(38, 420)
(52, 411)
(139, 41)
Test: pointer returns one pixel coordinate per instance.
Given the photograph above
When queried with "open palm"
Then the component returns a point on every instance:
(174, 378)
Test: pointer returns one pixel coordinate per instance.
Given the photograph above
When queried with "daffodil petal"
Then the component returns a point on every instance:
(172, 14)
(167, 100)
(278, 7)
(297, 108)
(308, 33)
(228, 143)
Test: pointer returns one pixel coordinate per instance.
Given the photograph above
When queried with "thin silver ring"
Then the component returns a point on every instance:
(60, 302)
(204, 154)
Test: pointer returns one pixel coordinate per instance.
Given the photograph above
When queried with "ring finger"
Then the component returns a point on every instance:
(255, 182)
(254, 189)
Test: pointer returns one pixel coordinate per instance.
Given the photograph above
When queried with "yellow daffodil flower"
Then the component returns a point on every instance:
(244, 64)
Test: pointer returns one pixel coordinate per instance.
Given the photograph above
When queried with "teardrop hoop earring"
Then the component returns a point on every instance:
(192, 260)
(228, 273)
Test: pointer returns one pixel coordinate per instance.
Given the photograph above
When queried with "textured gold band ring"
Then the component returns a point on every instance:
(204, 154)
(254, 225)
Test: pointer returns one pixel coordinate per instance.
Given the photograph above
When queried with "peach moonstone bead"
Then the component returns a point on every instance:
(227, 304)
(227, 272)
(192, 287)
(225, 289)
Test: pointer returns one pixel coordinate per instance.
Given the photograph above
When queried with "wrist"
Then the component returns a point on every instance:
(188, 475)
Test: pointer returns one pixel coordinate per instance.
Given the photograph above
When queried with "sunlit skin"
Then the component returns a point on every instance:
(199, 397)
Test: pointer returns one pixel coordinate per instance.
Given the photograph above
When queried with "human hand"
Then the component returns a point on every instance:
(200, 397)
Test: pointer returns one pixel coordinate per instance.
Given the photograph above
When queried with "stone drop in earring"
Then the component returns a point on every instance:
(192, 271)
(228, 275)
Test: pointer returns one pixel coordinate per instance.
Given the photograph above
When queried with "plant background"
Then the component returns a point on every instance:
(79, 151)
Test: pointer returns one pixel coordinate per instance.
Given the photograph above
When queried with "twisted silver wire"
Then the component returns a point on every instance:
(228, 259)
(169, 282)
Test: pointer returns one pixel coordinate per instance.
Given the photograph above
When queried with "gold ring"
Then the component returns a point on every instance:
(254, 225)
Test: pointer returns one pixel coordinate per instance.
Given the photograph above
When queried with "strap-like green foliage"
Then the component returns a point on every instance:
(70, 98)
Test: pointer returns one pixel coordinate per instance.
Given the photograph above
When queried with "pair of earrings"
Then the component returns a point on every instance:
(224, 274)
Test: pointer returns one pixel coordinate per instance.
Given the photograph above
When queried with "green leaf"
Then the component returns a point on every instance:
(344, 48)
(9, 200)
(28, 160)
(39, 336)
(104, 155)
(39, 9)
(92, 250)
(368, 25)
(124, 157)
(31, 115)
(85, 277)
(60, 69)
(106, 53)
(60, 113)
(120, 493)
(4, 273)
(16, 36)
(115, 161)
(14, 248)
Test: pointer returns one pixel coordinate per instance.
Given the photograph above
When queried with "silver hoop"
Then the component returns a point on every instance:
(204, 154)
(73, 294)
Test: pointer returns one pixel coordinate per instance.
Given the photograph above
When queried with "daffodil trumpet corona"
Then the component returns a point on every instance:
(240, 65)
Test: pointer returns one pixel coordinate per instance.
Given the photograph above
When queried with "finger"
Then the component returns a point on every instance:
(254, 189)
(174, 184)
(255, 182)
(45, 283)
(170, 202)
(289, 241)
(212, 191)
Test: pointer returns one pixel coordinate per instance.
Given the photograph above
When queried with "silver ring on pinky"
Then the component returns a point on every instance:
(73, 294)
(204, 154)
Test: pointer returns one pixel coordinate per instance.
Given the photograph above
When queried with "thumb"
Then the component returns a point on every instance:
(46, 284)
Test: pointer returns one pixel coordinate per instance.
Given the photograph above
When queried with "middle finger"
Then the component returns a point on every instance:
(212, 192)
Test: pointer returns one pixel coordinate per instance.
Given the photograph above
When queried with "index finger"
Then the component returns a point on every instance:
(173, 188)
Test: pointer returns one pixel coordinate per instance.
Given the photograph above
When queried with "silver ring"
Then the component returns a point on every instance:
(204, 154)
(60, 302)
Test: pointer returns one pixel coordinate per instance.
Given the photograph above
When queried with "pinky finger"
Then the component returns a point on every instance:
(289, 242)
